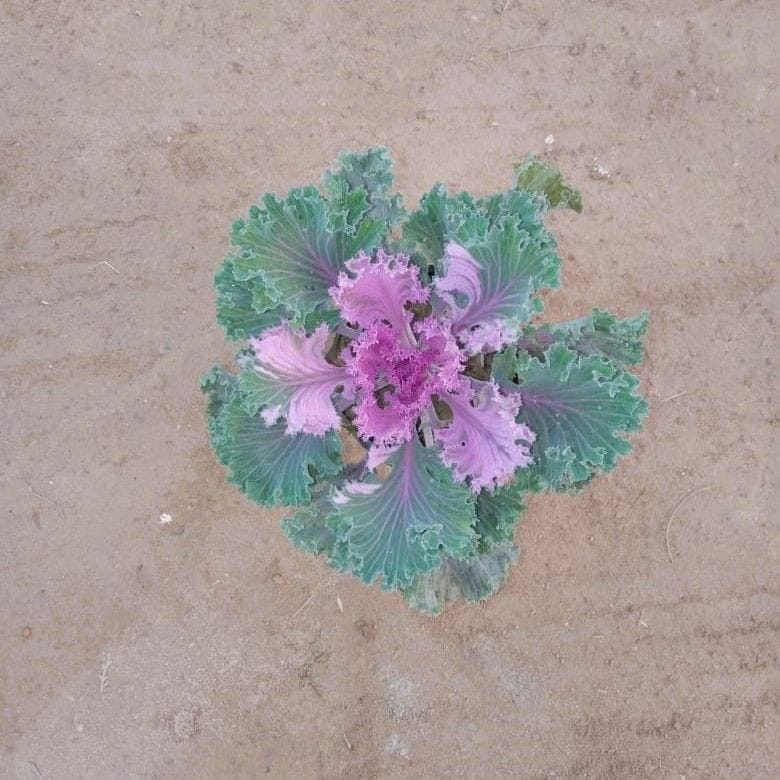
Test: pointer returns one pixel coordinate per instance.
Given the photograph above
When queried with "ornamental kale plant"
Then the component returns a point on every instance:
(412, 335)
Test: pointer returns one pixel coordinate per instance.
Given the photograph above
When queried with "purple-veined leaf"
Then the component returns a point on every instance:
(270, 466)
(298, 245)
(579, 407)
(401, 527)
(291, 378)
(379, 454)
(439, 219)
(483, 443)
(442, 218)
(488, 287)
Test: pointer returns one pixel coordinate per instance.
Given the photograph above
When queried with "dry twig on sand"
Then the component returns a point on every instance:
(674, 512)
(48, 500)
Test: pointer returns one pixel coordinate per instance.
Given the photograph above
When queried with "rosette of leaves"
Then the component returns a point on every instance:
(417, 335)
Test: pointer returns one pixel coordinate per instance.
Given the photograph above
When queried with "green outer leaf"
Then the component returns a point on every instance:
(298, 245)
(244, 308)
(372, 172)
(498, 514)
(535, 175)
(600, 333)
(402, 529)
(472, 579)
(513, 267)
(219, 387)
(308, 530)
(618, 340)
(442, 218)
(578, 406)
(523, 208)
(438, 219)
(269, 466)
(259, 392)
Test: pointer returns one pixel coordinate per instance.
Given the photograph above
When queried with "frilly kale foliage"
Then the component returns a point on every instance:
(416, 334)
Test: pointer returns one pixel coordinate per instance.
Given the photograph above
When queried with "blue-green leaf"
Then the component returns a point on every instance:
(371, 172)
(472, 579)
(442, 218)
(308, 530)
(298, 246)
(535, 175)
(489, 284)
(401, 527)
(523, 209)
(438, 220)
(219, 387)
(268, 465)
(498, 513)
(579, 407)
(244, 308)
(600, 333)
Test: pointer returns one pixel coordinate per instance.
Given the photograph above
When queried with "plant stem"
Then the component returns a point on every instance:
(345, 330)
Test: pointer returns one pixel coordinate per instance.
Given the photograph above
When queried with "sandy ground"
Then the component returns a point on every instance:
(132, 134)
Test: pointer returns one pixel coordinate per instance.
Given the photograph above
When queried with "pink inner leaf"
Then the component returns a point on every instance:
(484, 443)
(396, 380)
(461, 278)
(291, 378)
(378, 290)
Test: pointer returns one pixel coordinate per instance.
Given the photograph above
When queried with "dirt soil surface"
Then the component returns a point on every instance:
(132, 134)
